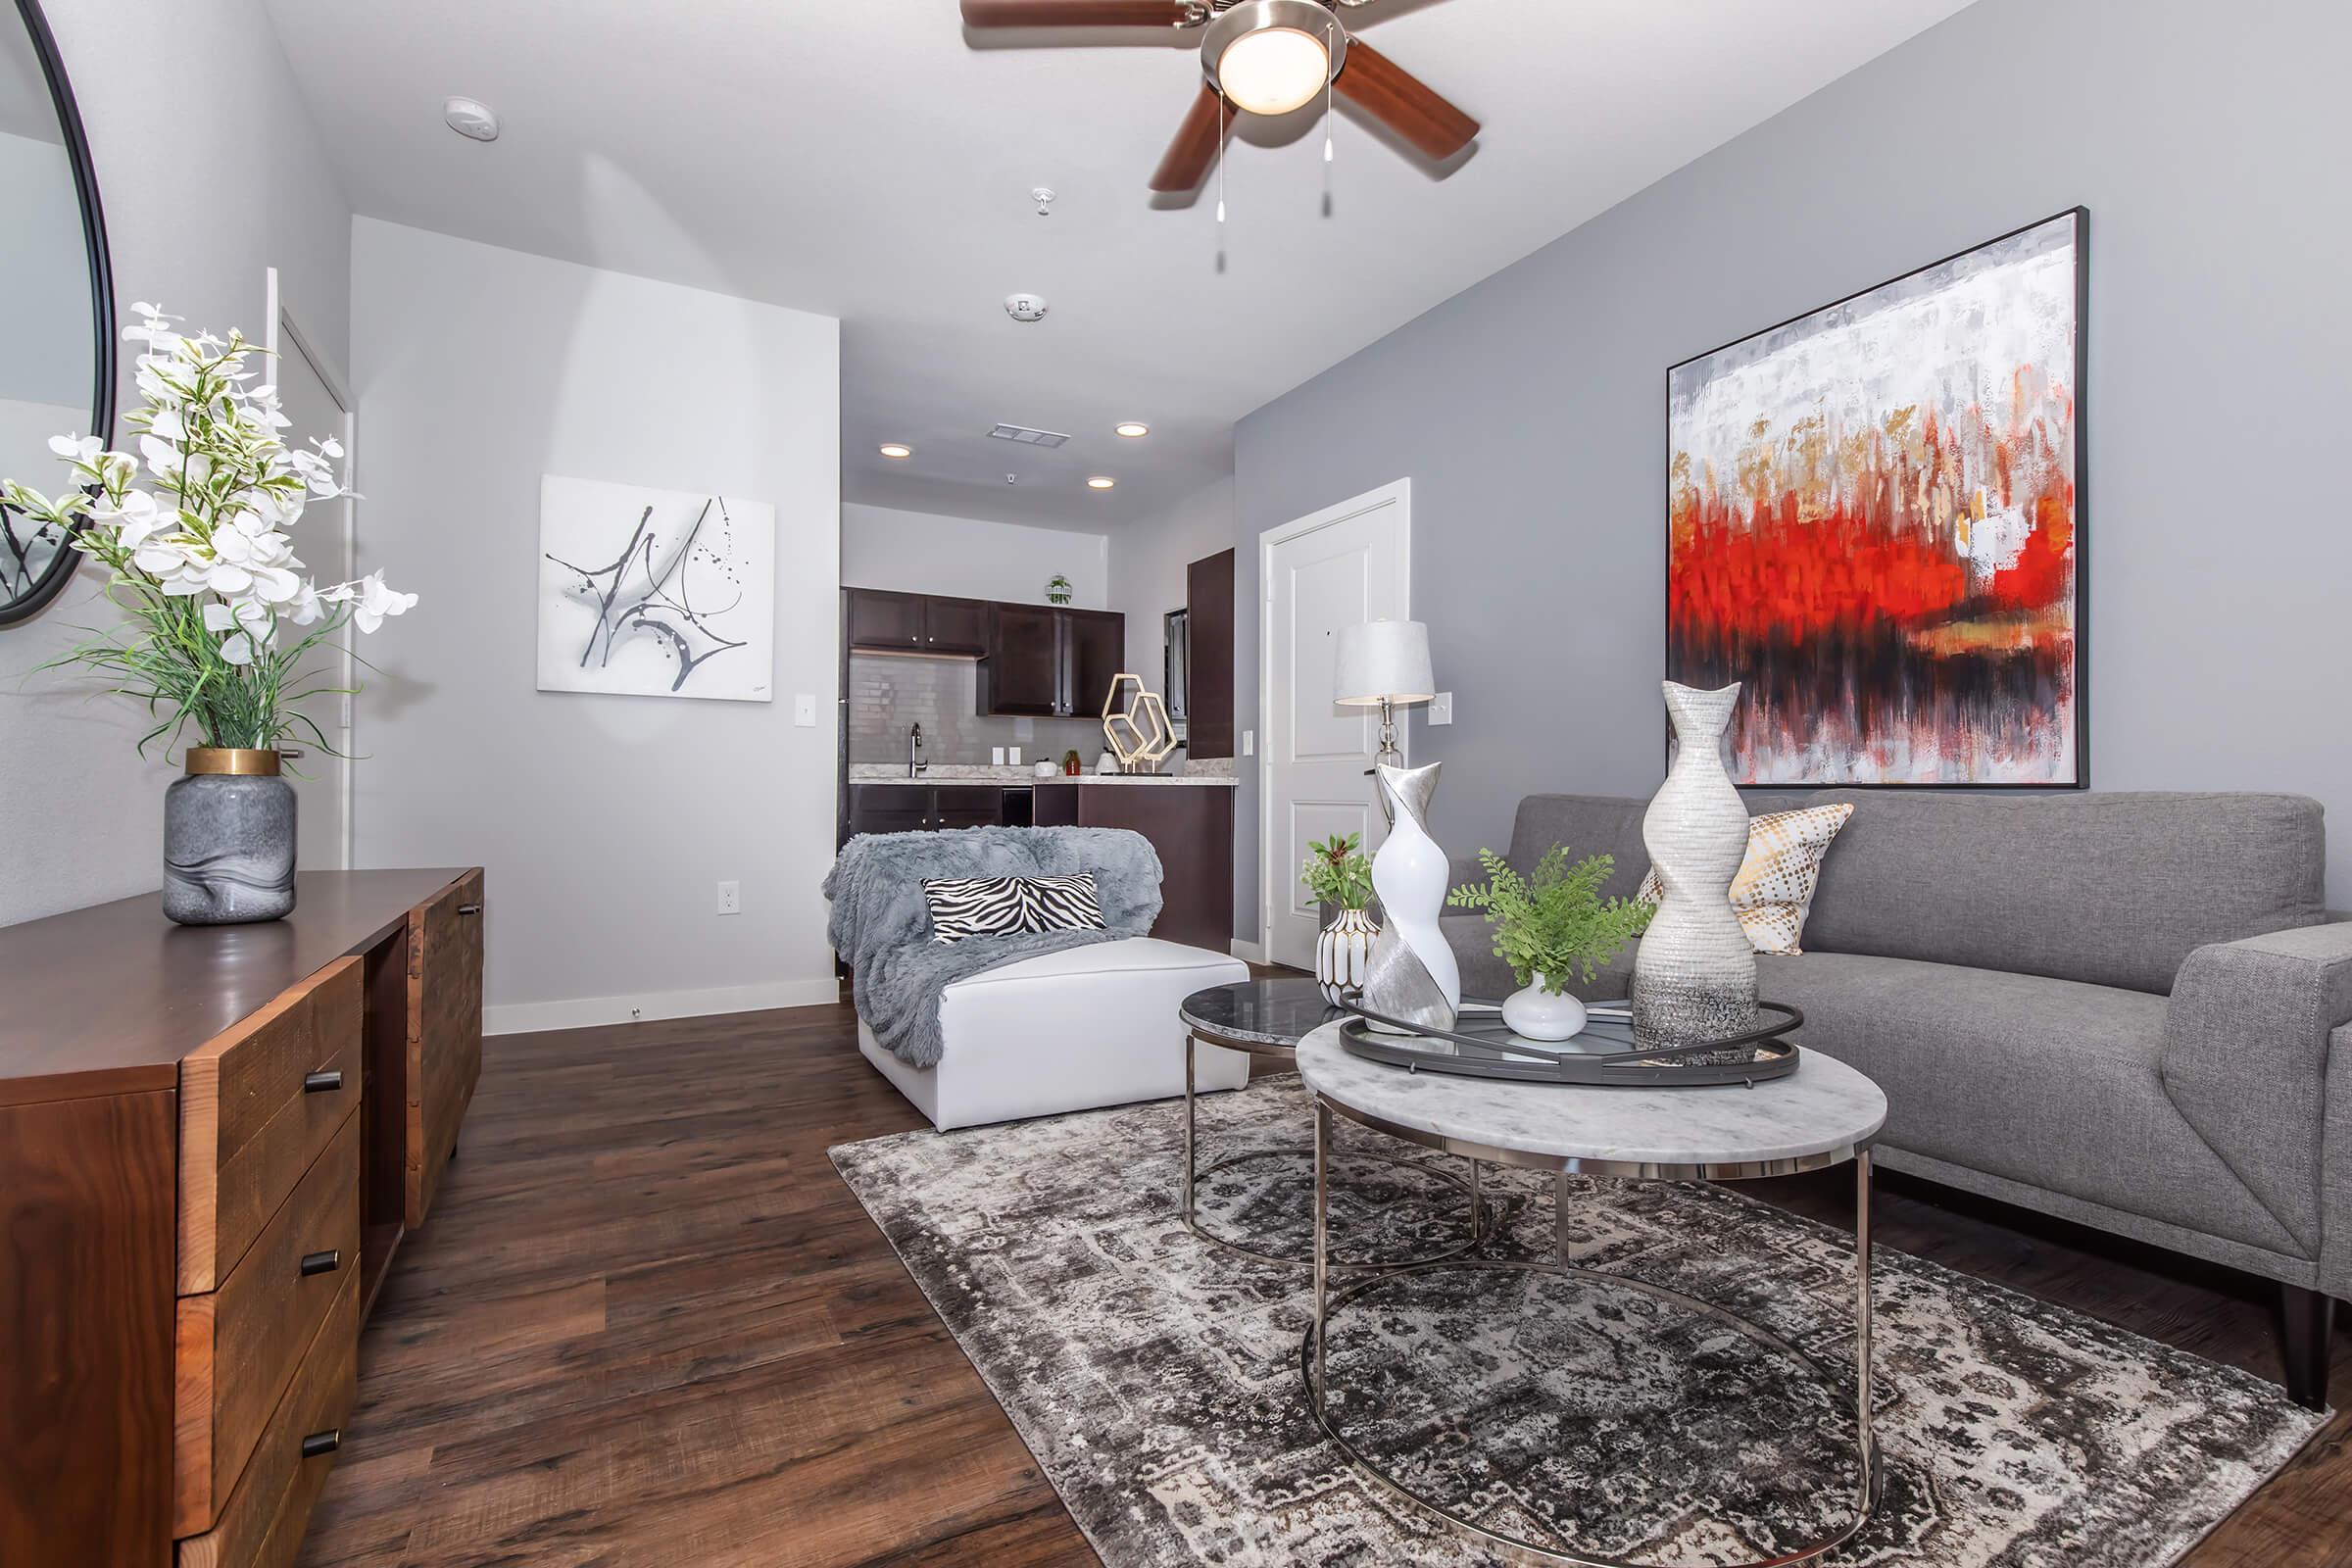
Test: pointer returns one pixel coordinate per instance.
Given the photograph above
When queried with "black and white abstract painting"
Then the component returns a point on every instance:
(655, 593)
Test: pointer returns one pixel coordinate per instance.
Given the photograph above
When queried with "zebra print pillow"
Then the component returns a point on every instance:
(1003, 906)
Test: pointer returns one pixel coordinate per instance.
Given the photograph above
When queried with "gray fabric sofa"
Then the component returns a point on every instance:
(2121, 1009)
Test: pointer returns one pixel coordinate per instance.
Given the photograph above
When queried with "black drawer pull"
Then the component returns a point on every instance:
(318, 1442)
(470, 909)
(325, 1081)
(325, 1262)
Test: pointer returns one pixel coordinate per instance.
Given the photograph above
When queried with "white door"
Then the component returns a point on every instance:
(312, 394)
(1343, 565)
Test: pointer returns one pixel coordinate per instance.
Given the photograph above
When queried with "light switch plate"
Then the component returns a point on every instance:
(1248, 743)
(1441, 709)
(803, 710)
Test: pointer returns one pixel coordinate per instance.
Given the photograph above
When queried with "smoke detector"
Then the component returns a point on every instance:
(1025, 307)
(470, 116)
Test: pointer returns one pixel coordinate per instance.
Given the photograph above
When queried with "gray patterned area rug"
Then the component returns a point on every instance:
(1156, 1379)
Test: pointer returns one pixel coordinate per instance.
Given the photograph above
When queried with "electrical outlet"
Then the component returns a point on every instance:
(1441, 709)
(730, 898)
(803, 710)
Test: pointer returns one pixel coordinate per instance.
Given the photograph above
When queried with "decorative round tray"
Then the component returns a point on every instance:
(1606, 1051)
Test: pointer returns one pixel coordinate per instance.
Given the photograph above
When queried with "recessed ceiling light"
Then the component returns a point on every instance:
(470, 116)
(896, 449)
(1101, 481)
(1133, 427)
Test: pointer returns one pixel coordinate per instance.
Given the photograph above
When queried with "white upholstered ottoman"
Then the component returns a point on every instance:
(1066, 1031)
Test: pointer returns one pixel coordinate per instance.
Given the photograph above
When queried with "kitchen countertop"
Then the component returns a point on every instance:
(1020, 777)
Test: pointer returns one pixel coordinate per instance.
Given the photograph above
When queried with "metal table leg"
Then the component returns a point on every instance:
(1869, 1494)
(1185, 1206)
(1322, 1215)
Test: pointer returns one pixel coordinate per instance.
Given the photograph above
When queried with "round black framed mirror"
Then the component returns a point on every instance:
(57, 313)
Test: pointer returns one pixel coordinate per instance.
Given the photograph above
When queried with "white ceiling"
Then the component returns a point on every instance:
(867, 160)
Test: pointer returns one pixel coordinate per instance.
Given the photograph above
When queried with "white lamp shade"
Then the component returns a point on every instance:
(1383, 661)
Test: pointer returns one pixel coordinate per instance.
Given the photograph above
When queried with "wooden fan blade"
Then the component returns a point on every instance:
(1076, 13)
(1402, 102)
(1188, 156)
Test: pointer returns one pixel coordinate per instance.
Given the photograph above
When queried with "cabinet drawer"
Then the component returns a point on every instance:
(238, 1347)
(256, 1107)
(262, 1525)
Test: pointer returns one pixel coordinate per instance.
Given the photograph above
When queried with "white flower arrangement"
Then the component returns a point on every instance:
(193, 530)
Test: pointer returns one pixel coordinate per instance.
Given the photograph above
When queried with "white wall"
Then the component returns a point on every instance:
(927, 552)
(604, 822)
(1147, 569)
(85, 821)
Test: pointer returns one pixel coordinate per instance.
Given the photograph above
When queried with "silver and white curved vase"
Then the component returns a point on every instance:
(1695, 973)
(1412, 976)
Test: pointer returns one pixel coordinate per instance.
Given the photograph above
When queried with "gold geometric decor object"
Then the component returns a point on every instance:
(1138, 732)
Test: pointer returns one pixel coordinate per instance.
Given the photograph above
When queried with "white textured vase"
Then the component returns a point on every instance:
(1694, 974)
(1344, 952)
(1413, 977)
(1536, 1013)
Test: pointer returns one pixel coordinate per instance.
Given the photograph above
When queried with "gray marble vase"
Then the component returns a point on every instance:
(228, 839)
(1695, 973)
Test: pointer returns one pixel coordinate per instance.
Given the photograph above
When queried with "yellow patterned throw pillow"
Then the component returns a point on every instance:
(1774, 890)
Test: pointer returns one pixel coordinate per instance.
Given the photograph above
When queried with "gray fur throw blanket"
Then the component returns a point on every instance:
(881, 925)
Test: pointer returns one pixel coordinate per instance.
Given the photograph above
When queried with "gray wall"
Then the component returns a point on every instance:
(85, 817)
(604, 823)
(1529, 410)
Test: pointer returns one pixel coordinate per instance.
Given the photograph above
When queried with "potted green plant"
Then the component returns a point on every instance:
(1058, 589)
(1337, 872)
(219, 620)
(1549, 926)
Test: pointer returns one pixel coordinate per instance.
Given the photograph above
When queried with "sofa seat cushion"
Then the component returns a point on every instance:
(1066, 1031)
(2051, 1083)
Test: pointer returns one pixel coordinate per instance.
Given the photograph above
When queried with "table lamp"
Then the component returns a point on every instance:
(1382, 664)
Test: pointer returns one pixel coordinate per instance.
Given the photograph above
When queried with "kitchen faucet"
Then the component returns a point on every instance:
(916, 768)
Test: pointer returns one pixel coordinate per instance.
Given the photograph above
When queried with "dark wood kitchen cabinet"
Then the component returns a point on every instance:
(955, 626)
(1098, 641)
(1191, 825)
(881, 621)
(1027, 662)
(1208, 675)
(914, 807)
(1045, 661)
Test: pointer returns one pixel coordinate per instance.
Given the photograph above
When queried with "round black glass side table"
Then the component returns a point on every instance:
(1268, 1018)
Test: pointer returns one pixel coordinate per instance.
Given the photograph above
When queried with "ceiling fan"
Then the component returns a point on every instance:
(1263, 57)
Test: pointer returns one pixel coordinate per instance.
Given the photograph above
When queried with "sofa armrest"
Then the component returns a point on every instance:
(2247, 1040)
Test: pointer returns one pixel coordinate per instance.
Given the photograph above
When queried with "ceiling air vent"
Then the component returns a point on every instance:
(1028, 437)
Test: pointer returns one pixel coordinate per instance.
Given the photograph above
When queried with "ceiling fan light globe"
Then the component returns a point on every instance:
(1273, 70)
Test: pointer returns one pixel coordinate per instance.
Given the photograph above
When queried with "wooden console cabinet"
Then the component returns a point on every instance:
(212, 1139)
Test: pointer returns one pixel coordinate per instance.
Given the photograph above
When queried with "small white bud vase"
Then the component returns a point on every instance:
(1535, 1013)
(1344, 951)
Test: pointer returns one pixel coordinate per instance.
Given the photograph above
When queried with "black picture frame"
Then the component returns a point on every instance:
(60, 572)
(2081, 217)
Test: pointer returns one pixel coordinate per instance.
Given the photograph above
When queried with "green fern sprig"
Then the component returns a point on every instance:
(1555, 923)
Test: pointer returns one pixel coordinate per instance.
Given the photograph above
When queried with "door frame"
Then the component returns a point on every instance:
(282, 330)
(1398, 493)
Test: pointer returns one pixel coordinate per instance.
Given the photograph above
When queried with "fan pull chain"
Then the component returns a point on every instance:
(1330, 43)
(1220, 159)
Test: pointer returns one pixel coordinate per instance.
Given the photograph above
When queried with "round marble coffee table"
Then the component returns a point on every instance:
(1823, 1114)
(1268, 1018)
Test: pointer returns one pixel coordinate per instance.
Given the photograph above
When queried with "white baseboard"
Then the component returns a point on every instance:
(1248, 952)
(589, 1012)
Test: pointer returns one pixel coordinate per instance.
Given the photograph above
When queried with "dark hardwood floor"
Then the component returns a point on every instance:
(647, 1325)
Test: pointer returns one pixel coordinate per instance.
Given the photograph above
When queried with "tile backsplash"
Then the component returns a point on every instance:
(888, 694)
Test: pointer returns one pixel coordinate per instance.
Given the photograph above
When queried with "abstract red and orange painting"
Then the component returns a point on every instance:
(1875, 525)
